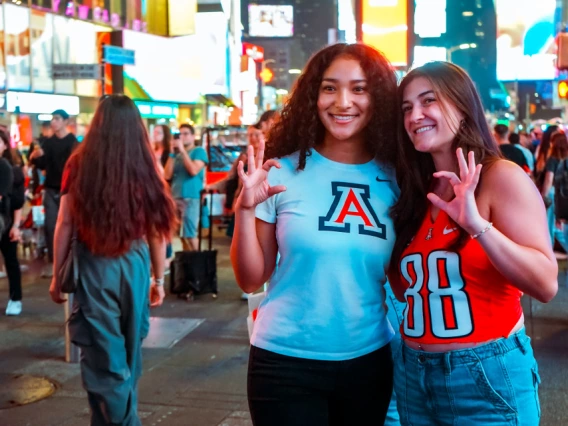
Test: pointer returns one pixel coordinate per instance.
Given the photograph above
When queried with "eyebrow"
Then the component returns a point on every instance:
(427, 92)
(335, 80)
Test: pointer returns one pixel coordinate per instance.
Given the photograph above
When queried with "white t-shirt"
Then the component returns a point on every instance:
(326, 299)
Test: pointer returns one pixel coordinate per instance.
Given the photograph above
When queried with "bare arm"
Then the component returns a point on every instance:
(519, 244)
(15, 231)
(193, 167)
(254, 247)
(519, 247)
(169, 168)
(61, 243)
(157, 245)
(547, 185)
(253, 250)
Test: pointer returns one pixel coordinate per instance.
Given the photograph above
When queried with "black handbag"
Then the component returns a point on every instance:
(68, 276)
(195, 272)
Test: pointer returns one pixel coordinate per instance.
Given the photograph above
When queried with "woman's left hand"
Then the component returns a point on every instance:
(55, 292)
(157, 295)
(15, 234)
(463, 208)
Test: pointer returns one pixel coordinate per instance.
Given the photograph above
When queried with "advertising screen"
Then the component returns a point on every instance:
(179, 69)
(271, 21)
(385, 27)
(525, 39)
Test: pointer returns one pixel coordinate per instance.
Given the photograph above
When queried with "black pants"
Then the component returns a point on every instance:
(287, 391)
(9, 251)
(51, 201)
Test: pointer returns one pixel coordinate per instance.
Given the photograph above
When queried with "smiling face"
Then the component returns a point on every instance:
(344, 104)
(431, 122)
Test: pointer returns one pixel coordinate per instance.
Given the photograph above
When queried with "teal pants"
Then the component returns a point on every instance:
(109, 320)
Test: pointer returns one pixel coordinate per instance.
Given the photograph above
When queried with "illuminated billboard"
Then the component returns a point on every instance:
(271, 21)
(384, 26)
(525, 39)
(179, 69)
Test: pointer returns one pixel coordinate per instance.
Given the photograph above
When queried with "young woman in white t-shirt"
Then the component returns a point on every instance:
(320, 350)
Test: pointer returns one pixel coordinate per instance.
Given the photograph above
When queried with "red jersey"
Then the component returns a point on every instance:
(454, 296)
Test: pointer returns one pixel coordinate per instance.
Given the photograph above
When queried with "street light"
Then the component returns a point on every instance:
(261, 82)
(462, 46)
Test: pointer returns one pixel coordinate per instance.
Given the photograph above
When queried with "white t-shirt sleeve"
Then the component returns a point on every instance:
(266, 211)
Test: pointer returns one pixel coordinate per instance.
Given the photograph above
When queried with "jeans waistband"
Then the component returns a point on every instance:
(518, 340)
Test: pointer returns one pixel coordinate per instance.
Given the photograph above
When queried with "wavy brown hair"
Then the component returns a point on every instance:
(117, 194)
(453, 85)
(300, 128)
(559, 145)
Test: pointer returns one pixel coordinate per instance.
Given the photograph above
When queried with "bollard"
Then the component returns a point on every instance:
(71, 351)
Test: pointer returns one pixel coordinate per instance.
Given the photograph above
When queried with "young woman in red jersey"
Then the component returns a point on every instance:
(471, 239)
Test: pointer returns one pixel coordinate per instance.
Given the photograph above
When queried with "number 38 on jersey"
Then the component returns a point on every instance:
(443, 305)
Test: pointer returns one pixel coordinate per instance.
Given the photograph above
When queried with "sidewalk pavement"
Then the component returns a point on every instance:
(200, 380)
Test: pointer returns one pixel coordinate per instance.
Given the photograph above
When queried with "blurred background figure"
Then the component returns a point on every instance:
(51, 157)
(161, 140)
(12, 205)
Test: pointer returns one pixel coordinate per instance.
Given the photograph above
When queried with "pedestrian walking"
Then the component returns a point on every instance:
(320, 351)
(51, 157)
(471, 239)
(11, 208)
(117, 203)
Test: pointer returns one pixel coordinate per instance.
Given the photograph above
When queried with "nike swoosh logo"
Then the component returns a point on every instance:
(447, 231)
(382, 180)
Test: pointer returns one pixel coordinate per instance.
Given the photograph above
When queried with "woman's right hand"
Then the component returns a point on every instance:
(256, 188)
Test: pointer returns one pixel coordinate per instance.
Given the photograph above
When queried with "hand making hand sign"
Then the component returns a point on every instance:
(256, 188)
(463, 207)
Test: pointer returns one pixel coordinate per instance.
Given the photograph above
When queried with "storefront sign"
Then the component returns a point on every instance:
(31, 103)
(157, 110)
(77, 71)
(118, 56)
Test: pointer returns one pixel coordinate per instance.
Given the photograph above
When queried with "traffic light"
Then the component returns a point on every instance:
(266, 75)
(563, 89)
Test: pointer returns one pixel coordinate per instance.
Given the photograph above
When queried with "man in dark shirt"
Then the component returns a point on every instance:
(52, 157)
(509, 151)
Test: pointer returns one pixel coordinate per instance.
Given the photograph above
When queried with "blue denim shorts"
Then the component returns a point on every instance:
(188, 211)
(493, 384)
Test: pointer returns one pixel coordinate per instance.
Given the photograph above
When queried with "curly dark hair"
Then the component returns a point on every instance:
(415, 169)
(300, 127)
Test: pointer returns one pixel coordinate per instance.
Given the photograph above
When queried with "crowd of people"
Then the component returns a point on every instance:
(388, 220)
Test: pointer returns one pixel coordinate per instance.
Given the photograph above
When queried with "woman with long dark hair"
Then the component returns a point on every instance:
(320, 351)
(471, 239)
(542, 154)
(11, 207)
(117, 203)
(162, 139)
(558, 152)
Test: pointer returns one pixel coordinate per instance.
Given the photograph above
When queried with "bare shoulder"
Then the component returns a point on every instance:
(504, 176)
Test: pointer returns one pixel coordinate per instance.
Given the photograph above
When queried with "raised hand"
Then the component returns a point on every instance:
(463, 208)
(256, 188)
